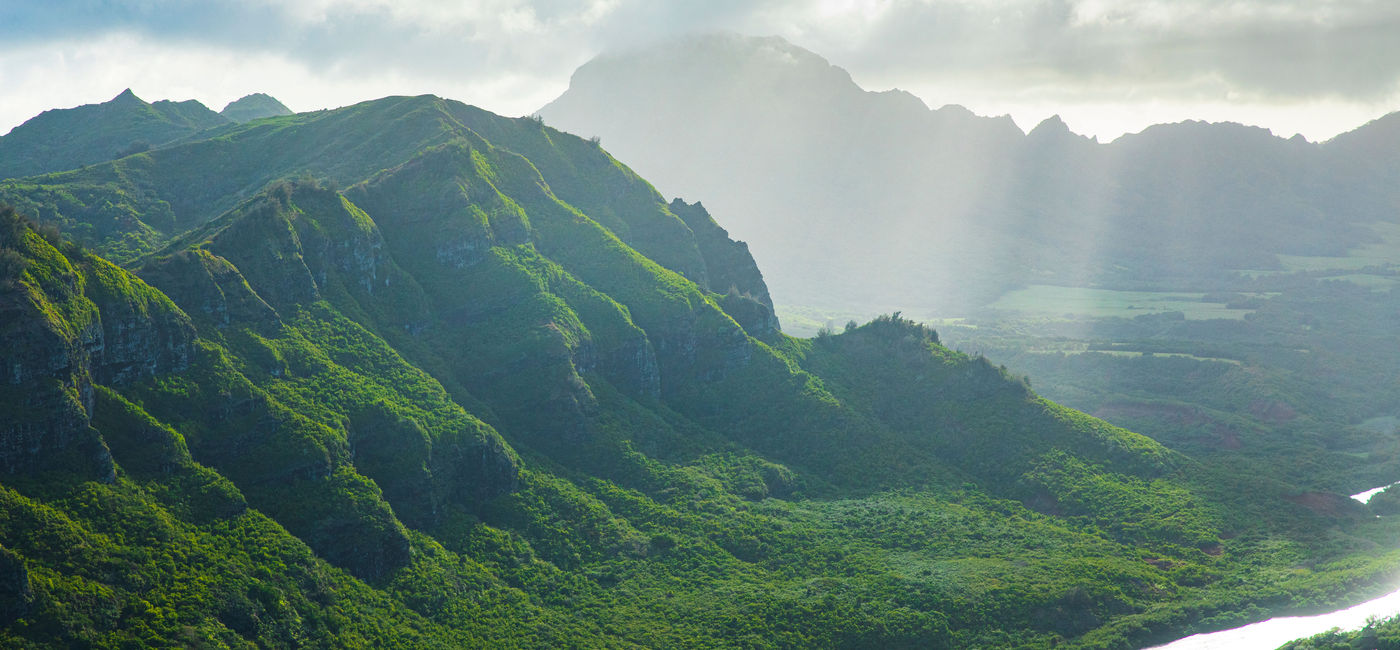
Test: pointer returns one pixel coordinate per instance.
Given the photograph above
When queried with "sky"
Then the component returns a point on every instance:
(1107, 67)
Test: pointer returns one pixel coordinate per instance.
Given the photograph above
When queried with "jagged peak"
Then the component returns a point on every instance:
(1054, 128)
(1051, 125)
(126, 97)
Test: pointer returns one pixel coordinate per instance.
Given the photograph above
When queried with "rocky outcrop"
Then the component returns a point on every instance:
(631, 366)
(143, 333)
(46, 391)
(66, 326)
(699, 345)
(332, 238)
(262, 243)
(209, 288)
(757, 318)
(732, 273)
(731, 268)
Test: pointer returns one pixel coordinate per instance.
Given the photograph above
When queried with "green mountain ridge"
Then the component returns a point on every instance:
(66, 138)
(411, 374)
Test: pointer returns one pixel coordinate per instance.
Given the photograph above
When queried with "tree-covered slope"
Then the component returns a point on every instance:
(411, 374)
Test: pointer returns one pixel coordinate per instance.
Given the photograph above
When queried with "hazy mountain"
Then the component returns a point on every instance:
(66, 138)
(869, 199)
(253, 107)
(467, 380)
(828, 183)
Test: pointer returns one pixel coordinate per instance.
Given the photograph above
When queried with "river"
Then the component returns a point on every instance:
(1274, 632)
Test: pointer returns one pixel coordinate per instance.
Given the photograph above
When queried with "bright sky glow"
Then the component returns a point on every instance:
(1107, 67)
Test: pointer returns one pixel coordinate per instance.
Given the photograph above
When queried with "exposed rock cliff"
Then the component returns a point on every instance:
(72, 320)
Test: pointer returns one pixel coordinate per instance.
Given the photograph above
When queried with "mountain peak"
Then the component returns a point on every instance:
(716, 60)
(126, 97)
(1050, 125)
(68, 138)
(1054, 128)
(253, 107)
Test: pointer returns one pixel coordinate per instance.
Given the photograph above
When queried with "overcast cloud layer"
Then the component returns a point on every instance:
(1108, 66)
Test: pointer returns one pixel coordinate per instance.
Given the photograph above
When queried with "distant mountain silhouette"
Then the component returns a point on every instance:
(870, 199)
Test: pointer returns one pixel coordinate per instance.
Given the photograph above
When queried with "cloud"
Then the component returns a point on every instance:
(1285, 49)
(513, 55)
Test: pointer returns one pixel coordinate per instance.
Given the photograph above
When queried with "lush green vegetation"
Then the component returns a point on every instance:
(1303, 384)
(1376, 635)
(64, 139)
(479, 385)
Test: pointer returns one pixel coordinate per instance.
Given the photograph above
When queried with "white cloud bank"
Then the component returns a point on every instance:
(1316, 67)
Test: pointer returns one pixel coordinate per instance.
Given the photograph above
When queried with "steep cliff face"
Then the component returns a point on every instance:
(730, 265)
(209, 288)
(732, 272)
(143, 333)
(72, 320)
(50, 331)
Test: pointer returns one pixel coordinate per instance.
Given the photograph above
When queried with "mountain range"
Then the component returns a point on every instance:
(871, 199)
(67, 138)
(410, 373)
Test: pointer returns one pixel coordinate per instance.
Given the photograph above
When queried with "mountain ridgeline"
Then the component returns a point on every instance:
(407, 373)
(66, 138)
(871, 199)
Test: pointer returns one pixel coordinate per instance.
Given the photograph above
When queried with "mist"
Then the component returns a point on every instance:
(861, 202)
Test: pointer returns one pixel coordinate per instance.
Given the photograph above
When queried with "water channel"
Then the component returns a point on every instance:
(1274, 632)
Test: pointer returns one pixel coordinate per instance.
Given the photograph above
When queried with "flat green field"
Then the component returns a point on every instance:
(1076, 302)
(1377, 282)
(1383, 253)
(1180, 355)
